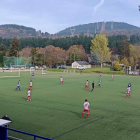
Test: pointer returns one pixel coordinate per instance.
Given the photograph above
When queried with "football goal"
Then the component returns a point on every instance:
(21, 67)
(6, 73)
(38, 71)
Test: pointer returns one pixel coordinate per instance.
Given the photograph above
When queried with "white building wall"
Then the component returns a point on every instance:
(75, 64)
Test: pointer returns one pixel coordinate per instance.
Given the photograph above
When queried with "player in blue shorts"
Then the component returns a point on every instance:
(18, 86)
(33, 74)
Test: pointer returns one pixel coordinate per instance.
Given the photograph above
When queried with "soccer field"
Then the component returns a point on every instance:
(55, 109)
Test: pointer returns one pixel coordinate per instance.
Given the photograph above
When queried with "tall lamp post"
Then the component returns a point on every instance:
(44, 56)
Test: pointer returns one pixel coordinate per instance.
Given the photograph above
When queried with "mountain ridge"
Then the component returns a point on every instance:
(109, 28)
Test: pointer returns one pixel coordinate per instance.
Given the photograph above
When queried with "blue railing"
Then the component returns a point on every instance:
(5, 136)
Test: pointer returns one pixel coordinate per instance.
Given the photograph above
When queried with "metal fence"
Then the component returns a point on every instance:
(4, 134)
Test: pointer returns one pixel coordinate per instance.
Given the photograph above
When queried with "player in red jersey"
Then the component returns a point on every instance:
(112, 76)
(28, 95)
(86, 108)
(86, 86)
(31, 84)
(61, 79)
(128, 91)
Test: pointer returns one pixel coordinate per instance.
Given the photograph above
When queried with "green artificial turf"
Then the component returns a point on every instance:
(55, 109)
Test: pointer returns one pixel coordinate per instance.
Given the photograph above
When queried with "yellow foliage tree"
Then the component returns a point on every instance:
(125, 61)
(117, 67)
(99, 44)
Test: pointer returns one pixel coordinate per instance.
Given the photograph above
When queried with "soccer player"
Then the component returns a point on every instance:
(61, 79)
(86, 108)
(86, 86)
(100, 74)
(33, 74)
(92, 86)
(28, 95)
(112, 76)
(18, 85)
(129, 85)
(128, 92)
(31, 84)
(99, 83)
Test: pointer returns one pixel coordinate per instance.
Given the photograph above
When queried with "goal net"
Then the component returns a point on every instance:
(6, 72)
(38, 71)
(21, 67)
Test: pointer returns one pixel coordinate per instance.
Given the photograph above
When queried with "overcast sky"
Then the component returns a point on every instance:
(55, 15)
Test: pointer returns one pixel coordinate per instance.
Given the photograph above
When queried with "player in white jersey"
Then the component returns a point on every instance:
(61, 80)
(86, 86)
(99, 83)
(100, 74)
(31, 84)
(128, 92)
(112, 76)
(29, 95)
(86, 108)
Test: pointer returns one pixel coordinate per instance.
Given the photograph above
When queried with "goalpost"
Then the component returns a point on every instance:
(6, 73)
(21, 67)
(38, 71)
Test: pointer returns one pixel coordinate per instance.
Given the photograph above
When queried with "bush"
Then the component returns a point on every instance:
(117, 67)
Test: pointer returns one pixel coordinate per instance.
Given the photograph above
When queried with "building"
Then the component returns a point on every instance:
(81, 63)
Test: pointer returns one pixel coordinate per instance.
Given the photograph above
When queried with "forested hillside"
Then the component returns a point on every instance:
(109, 28)
(93, 28)
(11, 30)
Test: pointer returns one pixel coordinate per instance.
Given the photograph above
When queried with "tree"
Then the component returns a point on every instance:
(125, 49)
(95, 58)
(99, 44)
(2, 53)
(117, 67)
(33, 52)
(25, 52)
(125, 61)
(14, 48)
(39, 56)
(51, 55)
(76, 53)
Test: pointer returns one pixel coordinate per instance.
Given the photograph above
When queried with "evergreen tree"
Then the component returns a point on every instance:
(14, 48)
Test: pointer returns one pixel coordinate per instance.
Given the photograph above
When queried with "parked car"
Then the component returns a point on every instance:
(62, 67)
(80, 67)
(54, 66)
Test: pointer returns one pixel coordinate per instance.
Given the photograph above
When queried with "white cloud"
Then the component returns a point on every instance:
(98, 6)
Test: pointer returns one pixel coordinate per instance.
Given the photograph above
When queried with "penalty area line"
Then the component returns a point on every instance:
(78, 127)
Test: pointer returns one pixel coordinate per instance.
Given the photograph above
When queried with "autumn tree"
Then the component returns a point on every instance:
(25, 52)
(14, 47)
(76, 53)
(117, 66)
(99, 44)
(61, 55)
(50, 55)
(125, 61)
